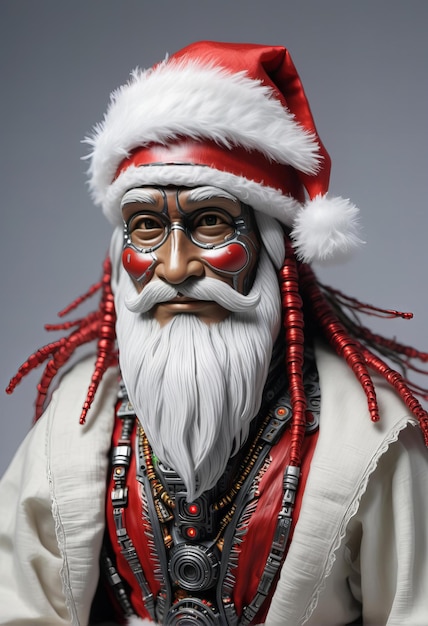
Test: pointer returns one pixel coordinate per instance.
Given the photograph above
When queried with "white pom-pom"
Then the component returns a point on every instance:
(326, 229)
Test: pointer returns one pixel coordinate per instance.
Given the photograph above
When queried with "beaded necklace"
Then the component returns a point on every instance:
(160, 493)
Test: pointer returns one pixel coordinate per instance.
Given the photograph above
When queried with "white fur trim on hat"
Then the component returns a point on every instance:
(187, 98)
(266, 199)
(326, 228)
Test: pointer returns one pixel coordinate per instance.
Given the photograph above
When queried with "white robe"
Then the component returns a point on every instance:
(361, 539)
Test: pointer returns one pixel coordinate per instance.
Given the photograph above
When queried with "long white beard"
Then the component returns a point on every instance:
(196, 387)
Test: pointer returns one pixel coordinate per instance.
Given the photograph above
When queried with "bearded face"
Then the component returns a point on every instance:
(198, 311)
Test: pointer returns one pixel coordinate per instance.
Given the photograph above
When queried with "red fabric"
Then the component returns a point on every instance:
(261, 528)
(273, 67)
(238, 161)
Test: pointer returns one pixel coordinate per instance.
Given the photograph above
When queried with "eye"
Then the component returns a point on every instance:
(212, 226)
(148, 224)
(209, 220)
(146, 230)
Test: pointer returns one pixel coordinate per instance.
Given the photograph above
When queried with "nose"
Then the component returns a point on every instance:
(178, 258)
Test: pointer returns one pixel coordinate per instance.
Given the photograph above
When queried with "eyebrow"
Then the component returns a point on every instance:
(138, 194)
(207, 193)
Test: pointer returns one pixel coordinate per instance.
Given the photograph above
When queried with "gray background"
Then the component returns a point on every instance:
(364, 67)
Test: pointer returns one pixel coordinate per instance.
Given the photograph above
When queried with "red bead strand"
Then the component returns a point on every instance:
(78, 301)
(398, 382)
(294, 347)
(336, 334)
(33, 361)
(73, 323)
(106, 342)
(59, 359)
(97, 324)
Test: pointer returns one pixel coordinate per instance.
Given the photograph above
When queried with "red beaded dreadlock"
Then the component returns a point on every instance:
(294, 341)
(349, 339)
(300, 290)
(98, 324)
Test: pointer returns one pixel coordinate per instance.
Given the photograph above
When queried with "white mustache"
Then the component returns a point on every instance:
(208, 289)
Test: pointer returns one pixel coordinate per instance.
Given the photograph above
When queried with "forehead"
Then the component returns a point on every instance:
(158, 198)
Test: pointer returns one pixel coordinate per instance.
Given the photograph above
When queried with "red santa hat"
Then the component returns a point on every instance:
(230, 115)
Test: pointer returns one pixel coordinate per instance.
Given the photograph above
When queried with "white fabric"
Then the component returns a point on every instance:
(320, 564)
(344, 551)
(52, 508)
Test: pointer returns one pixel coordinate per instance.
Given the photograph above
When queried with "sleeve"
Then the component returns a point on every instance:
(390, 571)
(30, 559)
(381, 569)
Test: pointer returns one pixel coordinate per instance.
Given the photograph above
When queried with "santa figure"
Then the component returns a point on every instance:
(245, 455)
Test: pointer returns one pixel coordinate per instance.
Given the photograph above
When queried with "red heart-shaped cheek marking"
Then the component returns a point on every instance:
(230, 258)
(137, 264)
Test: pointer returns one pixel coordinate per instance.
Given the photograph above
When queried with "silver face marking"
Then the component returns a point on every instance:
(215, 221)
